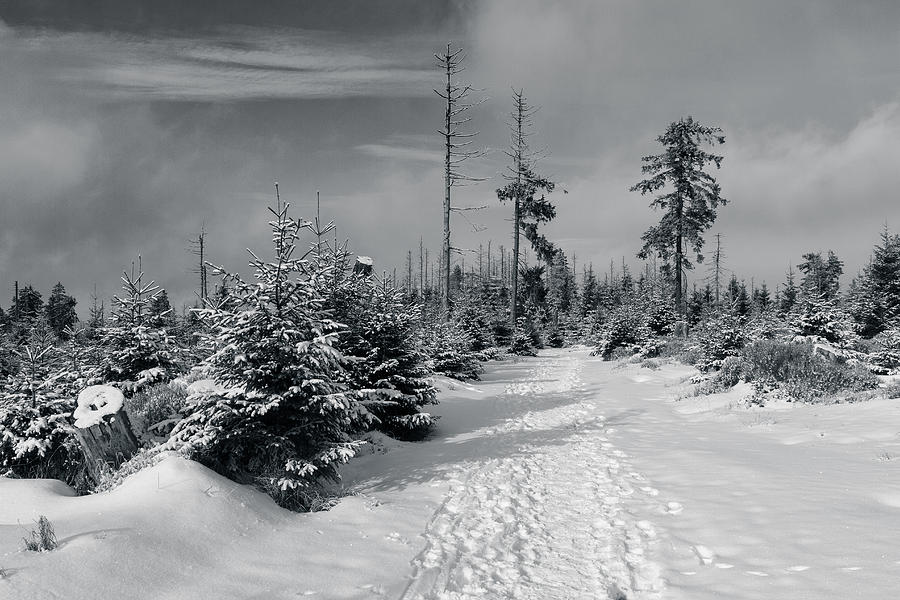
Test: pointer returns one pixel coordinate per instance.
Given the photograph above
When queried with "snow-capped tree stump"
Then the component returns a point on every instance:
(363, 266)
(103, 430)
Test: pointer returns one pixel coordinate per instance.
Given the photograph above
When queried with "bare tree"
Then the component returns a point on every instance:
(457, 149)
(198, 248)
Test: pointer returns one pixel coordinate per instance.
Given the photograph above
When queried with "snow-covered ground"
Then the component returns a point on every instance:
(559, 477)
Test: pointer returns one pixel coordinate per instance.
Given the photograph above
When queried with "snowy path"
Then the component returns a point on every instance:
(545, 521)
(593, 481)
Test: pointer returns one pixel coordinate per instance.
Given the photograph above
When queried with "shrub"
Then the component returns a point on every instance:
(798, 372)
(42, 539)
(729, 375)
(556, 338)
(155, 410)
(144, 459)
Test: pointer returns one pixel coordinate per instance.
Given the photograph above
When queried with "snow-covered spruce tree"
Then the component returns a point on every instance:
(522, 342)
(285, 421)
(624, 326)
(476, 321)
(386, 370)
(35, 439)
(887, 354)
(448, 348)
(820, 316)
(719, 336)
(138, 351)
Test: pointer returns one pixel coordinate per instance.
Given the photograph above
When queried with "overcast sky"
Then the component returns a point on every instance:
(127, 125)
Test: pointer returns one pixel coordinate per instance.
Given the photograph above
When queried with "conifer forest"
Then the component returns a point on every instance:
(451, 300)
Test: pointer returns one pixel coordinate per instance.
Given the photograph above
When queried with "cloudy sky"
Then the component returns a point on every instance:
(126, 125)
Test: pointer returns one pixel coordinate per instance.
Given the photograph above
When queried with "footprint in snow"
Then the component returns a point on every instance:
(797, 568)
(646, 528)
(724, 566)
(650, 491)
(673, 508)
(396, 537)
(757, 573)
(705, 555)
(851, 568)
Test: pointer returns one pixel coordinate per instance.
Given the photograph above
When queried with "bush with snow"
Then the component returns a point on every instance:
(800, 373)
(155, 410)
(522, 341)
(36, 440)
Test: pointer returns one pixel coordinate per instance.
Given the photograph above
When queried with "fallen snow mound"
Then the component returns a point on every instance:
(95, 402)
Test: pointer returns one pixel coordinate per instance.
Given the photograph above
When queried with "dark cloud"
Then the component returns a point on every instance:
(203, 15)
(126, 126)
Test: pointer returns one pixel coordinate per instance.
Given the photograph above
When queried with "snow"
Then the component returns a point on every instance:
(202, 387)
(556, 477)
(365, 260)
(95, 402)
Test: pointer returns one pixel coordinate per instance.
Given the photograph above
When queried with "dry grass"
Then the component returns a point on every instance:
(42, 539)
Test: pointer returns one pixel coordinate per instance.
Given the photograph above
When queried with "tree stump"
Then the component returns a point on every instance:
(103, 430)
(363, 265)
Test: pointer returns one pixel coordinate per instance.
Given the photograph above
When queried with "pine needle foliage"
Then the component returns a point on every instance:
(386, 369)
(285, 420)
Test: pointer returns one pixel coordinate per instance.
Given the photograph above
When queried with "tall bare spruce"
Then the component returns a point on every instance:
(457, 149)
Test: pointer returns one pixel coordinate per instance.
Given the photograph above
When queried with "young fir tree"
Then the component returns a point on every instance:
(27, 307)
(385, 369)
(690, 204)
(821, 276)
(286, 418)
(789, 292)
(60, 310)
(874, 299)
(35, 438)
(138, 350)
(448, 348)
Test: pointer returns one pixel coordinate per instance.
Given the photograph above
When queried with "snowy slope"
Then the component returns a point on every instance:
(560, 477)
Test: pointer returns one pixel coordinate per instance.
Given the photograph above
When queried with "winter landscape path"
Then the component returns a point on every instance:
(555, 477)
(602, 483)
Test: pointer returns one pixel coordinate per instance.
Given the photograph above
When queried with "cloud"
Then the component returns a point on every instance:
(235, 63)
(406, 149)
